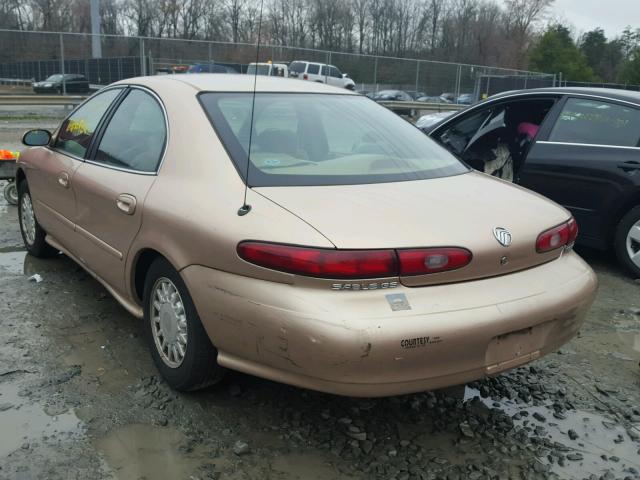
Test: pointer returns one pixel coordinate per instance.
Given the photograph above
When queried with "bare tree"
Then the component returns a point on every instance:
(520, 18)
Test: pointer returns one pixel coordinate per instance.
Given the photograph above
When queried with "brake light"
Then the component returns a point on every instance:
(320, 262)
(432, 260)
(305, 77)
(556, 237)
(328, 263)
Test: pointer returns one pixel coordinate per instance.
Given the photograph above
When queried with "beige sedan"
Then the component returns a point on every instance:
(301, 233)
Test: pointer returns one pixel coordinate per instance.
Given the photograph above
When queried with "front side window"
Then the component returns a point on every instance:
(323, 139)
(597, 123)
(77, 131)
(136, 134)
(459, 135)
(334, 72)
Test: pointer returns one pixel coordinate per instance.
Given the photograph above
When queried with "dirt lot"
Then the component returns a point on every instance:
(80, 398)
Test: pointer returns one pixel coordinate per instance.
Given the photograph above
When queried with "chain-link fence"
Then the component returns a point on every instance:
(35, 56)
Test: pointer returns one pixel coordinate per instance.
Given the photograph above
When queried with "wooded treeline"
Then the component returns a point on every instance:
(591, 57)
(511, 33)
(471, 31)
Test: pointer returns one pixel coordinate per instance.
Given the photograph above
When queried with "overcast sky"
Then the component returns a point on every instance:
(610, 15)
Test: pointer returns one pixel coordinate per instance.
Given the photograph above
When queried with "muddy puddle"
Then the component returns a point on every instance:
(302, 466)
(24, 423)
(585, 438)
(144, 451)
(13, 262)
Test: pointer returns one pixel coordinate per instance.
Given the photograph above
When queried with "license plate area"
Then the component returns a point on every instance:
(515, 348)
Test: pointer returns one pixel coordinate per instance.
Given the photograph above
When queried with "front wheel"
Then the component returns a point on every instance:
(33, 235)
(627, 241)
(179, 344)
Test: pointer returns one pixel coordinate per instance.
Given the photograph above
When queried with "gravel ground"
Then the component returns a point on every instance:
(80, 398)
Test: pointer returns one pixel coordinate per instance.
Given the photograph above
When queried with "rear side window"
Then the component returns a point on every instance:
(77, 131)
(313, 69)
(323, 139)
(136, 134)
(597, 123)
(297, 67)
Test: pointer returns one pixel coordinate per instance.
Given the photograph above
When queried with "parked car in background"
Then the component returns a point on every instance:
(394, 267)
(439, 99)
(448, 97)
(577, 146)
(210, 68)
(427, 121)
(269, 69)
(73, 83)
(321, 73)
(415, 95)
(395, 96)
(465, 99)
(392, 95)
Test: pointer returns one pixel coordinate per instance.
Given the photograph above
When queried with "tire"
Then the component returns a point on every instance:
(197, 367)
(33, 234)
(11, 193)
(627, 241)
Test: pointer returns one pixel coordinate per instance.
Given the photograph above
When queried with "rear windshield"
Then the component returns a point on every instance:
(262, 69)
(323, 139)
(297, 67)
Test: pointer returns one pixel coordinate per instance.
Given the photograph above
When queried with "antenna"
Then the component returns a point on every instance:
(245, 208)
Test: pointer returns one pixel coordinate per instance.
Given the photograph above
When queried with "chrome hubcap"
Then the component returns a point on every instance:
(28, 219)
(169, 322)
(633, 243)
(13, 192)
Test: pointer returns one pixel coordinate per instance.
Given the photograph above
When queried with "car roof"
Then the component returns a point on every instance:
(314, 63)
(216, 82)
(611, 93)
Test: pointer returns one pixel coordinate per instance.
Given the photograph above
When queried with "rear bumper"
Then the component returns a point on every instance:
(352, 343)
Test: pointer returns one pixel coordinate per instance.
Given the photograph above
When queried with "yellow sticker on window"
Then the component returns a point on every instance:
(77, 127)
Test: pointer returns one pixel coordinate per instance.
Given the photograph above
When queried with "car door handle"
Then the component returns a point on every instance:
(63, 180)
(126, 203)
(629, 166)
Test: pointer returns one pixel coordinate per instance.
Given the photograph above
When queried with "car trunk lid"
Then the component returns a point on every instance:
(456, 211)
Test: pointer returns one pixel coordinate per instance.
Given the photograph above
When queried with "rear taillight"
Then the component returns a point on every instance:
(556, 237)
(305, 77)
(352, 264)
(432, 260)
(319, 262)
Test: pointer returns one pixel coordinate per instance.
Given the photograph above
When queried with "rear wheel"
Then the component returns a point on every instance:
(11, 193)
(33, 234)
(627, 241)
(179, 344)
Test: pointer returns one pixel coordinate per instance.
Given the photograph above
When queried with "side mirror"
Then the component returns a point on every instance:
(36, 138)
(345, 75)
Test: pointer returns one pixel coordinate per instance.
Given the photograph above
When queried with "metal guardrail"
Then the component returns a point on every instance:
(23, 82)
(438, 107)
(73, 100)
(30, 100)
